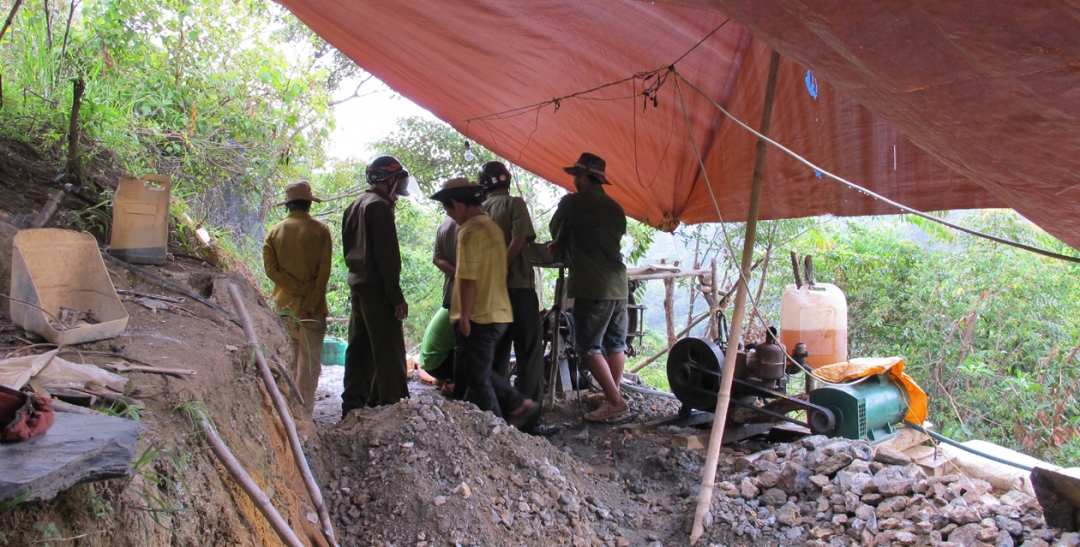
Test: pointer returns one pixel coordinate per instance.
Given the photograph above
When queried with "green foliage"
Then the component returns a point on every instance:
(128, 412)
(162, 473)
(201, 90)
(16, 500)
(48, 531)
(975, 320)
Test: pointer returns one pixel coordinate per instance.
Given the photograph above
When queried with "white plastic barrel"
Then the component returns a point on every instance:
(818, 318)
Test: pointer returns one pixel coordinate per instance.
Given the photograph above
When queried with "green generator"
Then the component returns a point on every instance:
(865, 410)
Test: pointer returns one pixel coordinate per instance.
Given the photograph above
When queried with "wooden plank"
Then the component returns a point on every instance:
(700, 441)
(908, 437)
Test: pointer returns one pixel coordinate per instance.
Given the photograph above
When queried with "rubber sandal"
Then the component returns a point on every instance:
(607, 411)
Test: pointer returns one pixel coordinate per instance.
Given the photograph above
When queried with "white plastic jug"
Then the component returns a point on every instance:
(818, 318)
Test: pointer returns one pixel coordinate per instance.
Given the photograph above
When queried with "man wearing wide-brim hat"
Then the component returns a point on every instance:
(586, 231)
(480, 305)
(296, 256)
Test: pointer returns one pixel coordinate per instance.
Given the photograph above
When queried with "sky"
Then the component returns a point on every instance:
(364, 120)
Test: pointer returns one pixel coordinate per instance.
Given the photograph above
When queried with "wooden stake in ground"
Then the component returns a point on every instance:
(283, 413)
(723, 399)
(75, 172)
(258, 497)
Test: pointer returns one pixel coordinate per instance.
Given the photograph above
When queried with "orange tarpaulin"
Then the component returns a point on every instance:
(989, 99)
(467, 60)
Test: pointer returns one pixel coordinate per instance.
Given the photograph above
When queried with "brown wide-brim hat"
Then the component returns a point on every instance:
(457, 188)
(298, 191)
(589, 164)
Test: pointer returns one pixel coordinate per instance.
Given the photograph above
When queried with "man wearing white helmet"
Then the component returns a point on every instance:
(375, 359)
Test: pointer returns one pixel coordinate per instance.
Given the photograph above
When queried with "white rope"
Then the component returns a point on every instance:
(868, 192)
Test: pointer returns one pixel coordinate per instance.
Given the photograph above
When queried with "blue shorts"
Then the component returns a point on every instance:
(599, 327)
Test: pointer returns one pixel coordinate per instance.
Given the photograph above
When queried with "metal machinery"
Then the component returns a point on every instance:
(866, 409)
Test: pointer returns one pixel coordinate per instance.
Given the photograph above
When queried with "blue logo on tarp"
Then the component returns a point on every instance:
(811, 84)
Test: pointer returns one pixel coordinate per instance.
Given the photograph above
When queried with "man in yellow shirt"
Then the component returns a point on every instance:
(480, 305)
(296, 256)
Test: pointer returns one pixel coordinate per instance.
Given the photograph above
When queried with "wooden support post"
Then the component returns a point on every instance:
(669, 310)
(723, 400)
(714, 325)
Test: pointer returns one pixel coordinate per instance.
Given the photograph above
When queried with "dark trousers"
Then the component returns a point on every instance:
(527, 336)
(445, 370)
(375, 358)
(484, 388)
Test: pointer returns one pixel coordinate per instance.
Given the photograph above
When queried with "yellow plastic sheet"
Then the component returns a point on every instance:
(854, 369)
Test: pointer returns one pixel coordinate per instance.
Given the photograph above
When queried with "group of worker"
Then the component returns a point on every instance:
(489, 297)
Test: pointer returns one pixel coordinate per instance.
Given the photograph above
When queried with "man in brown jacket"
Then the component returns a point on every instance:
(375, 359)
(296, 256)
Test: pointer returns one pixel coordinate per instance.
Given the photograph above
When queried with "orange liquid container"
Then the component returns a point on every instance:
(818, 318)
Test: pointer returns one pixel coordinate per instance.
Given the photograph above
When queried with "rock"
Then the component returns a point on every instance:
(905, 538)
(774, 497)
(819, 480)
(862, 450)
(794, 478)
(1019, 499)
(769, 479)
(964, 515)
(788, 514)
(965, 535)
(834, 464)
(894, 487)
(747, 490)
(77, 448)
(889, 456)
(1035, 542)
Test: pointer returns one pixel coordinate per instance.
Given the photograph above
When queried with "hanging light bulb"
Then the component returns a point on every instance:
(469, 156)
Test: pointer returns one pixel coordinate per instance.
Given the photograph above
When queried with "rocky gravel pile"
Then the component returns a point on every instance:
(834, 492)
(428, 471)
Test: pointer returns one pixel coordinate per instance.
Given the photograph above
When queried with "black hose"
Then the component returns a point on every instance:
(948, 441)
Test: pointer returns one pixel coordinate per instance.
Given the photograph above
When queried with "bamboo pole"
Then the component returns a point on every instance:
(723, 400)
(714, 326)
(283, 413)
(258, 497)
(669, 310)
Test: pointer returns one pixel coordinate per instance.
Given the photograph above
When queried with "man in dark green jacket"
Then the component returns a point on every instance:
(375, 359)
(587, 230)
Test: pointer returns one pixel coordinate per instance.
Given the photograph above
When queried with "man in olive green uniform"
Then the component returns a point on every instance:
(587, 229)
(296, 256)
(375, 359)
(512, 215)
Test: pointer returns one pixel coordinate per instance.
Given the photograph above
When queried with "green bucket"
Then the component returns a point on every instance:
(333, 352)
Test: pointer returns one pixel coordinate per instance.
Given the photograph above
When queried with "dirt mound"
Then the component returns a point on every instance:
(428, 471)
(179, 495)
(431, 471)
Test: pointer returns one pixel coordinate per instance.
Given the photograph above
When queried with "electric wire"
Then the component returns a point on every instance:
(939, 437)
